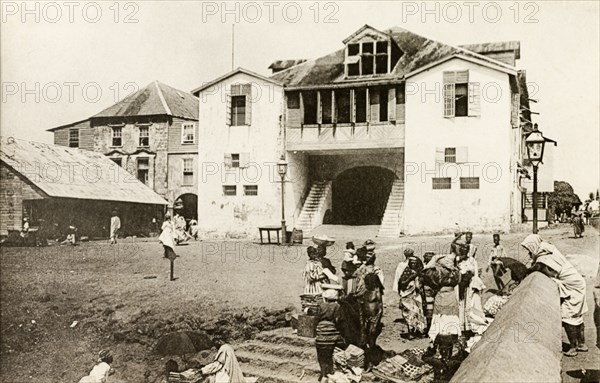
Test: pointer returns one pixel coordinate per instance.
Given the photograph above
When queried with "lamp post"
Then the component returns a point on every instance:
(282, 170)
(534, 143)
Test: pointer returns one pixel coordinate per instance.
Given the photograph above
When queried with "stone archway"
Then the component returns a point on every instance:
(188, 207)
(360, 194)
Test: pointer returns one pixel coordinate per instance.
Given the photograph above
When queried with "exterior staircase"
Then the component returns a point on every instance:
(312, 211)
(280, 356)
(391, 224)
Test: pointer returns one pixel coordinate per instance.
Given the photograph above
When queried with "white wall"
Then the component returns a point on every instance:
(240, 215)
(488, 139)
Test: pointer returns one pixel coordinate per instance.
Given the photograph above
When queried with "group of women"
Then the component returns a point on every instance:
(351, 312)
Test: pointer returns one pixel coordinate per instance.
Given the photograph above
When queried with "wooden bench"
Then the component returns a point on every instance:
(269, 229)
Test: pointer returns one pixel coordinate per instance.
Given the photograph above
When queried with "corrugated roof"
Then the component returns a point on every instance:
(417, 52)
(499, 46)
(155, 99)
(285, 64)
(73, 173)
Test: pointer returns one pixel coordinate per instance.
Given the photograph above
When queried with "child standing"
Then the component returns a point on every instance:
(495, 263)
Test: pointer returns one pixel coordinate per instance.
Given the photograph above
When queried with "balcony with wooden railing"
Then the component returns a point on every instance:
(355, 124)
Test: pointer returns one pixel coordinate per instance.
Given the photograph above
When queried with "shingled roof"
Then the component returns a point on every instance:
(155, 99)
(63, 172)
(417, 52)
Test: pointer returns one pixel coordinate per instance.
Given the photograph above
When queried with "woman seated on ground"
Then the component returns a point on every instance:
(225, 368)
(548, 260)
(442, 358)
(101, 370)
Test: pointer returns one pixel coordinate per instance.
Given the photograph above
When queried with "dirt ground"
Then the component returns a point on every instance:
(122, 299)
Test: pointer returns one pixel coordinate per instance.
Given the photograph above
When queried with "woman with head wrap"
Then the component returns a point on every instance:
(548, 260)
(224, 369)
(407, 284)
(443, 276)
(328, 331)
(313, 273)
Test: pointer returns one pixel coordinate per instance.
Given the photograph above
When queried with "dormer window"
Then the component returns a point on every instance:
(370, 52)
(368, 58)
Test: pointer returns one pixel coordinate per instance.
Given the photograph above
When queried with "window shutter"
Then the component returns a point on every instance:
(448, 100)
(333, 108)
(227, 160)
(244, 159)
(392, 104)
(462, 77)
(516, 109)
(236, 90)
(247, 91)
(228, 110)
(374, 106)
(368, 102)
(449, 78)
(474, 99)
(319, 108)
(440, 155)
(462, 155)
(352, 106)
(301, 108)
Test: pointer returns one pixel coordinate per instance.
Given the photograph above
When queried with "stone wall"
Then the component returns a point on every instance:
(523, 344)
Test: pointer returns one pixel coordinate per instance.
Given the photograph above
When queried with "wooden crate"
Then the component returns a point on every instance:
(307, 325)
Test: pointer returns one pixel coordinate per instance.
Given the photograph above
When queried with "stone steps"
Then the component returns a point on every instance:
(391, 221)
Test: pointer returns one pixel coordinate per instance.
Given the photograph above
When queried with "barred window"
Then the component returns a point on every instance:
(469, 182)
(251, 190)
(442, 183)
(229, 190)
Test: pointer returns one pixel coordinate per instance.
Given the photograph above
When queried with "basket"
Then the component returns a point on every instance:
(323, 240)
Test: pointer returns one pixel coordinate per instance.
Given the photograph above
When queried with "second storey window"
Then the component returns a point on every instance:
(143, 168)
(239, 105)
(461, 97)
(188, 133)
(117, 134)
(450, 155)
(73, 138)
(458, 155)
(188, 171)
(144, 136)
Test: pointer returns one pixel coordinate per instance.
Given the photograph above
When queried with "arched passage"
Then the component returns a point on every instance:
(360, 194)
(187, 206)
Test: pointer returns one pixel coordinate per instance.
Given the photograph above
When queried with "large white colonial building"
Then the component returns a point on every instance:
(393, 129)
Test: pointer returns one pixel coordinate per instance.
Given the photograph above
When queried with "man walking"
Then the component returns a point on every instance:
(115, 225)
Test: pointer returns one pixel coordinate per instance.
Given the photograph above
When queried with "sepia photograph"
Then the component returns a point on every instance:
(299, 191)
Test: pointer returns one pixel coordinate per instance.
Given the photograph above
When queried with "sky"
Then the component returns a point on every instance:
(65, 61)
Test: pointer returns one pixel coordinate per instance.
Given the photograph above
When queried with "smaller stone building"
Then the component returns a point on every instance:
(153, 134)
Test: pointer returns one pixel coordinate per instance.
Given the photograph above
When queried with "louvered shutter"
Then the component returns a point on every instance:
(449, 77)
(368, 102)
(228, 110)
(474, 99)
(462, 77)
(247, 91)
(448, 100)
(227, 160)
(392, 104)
(462, 154)
(352, 106)
(440, 154)
(516, 109)
(301, 108)
(333, 108)
(374, 106)
(319, 108)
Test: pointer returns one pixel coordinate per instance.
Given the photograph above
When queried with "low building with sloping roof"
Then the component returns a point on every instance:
(55, 187)
(152, 134)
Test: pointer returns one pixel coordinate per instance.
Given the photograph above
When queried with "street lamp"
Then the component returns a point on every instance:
(534, 143)
(282, 170)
